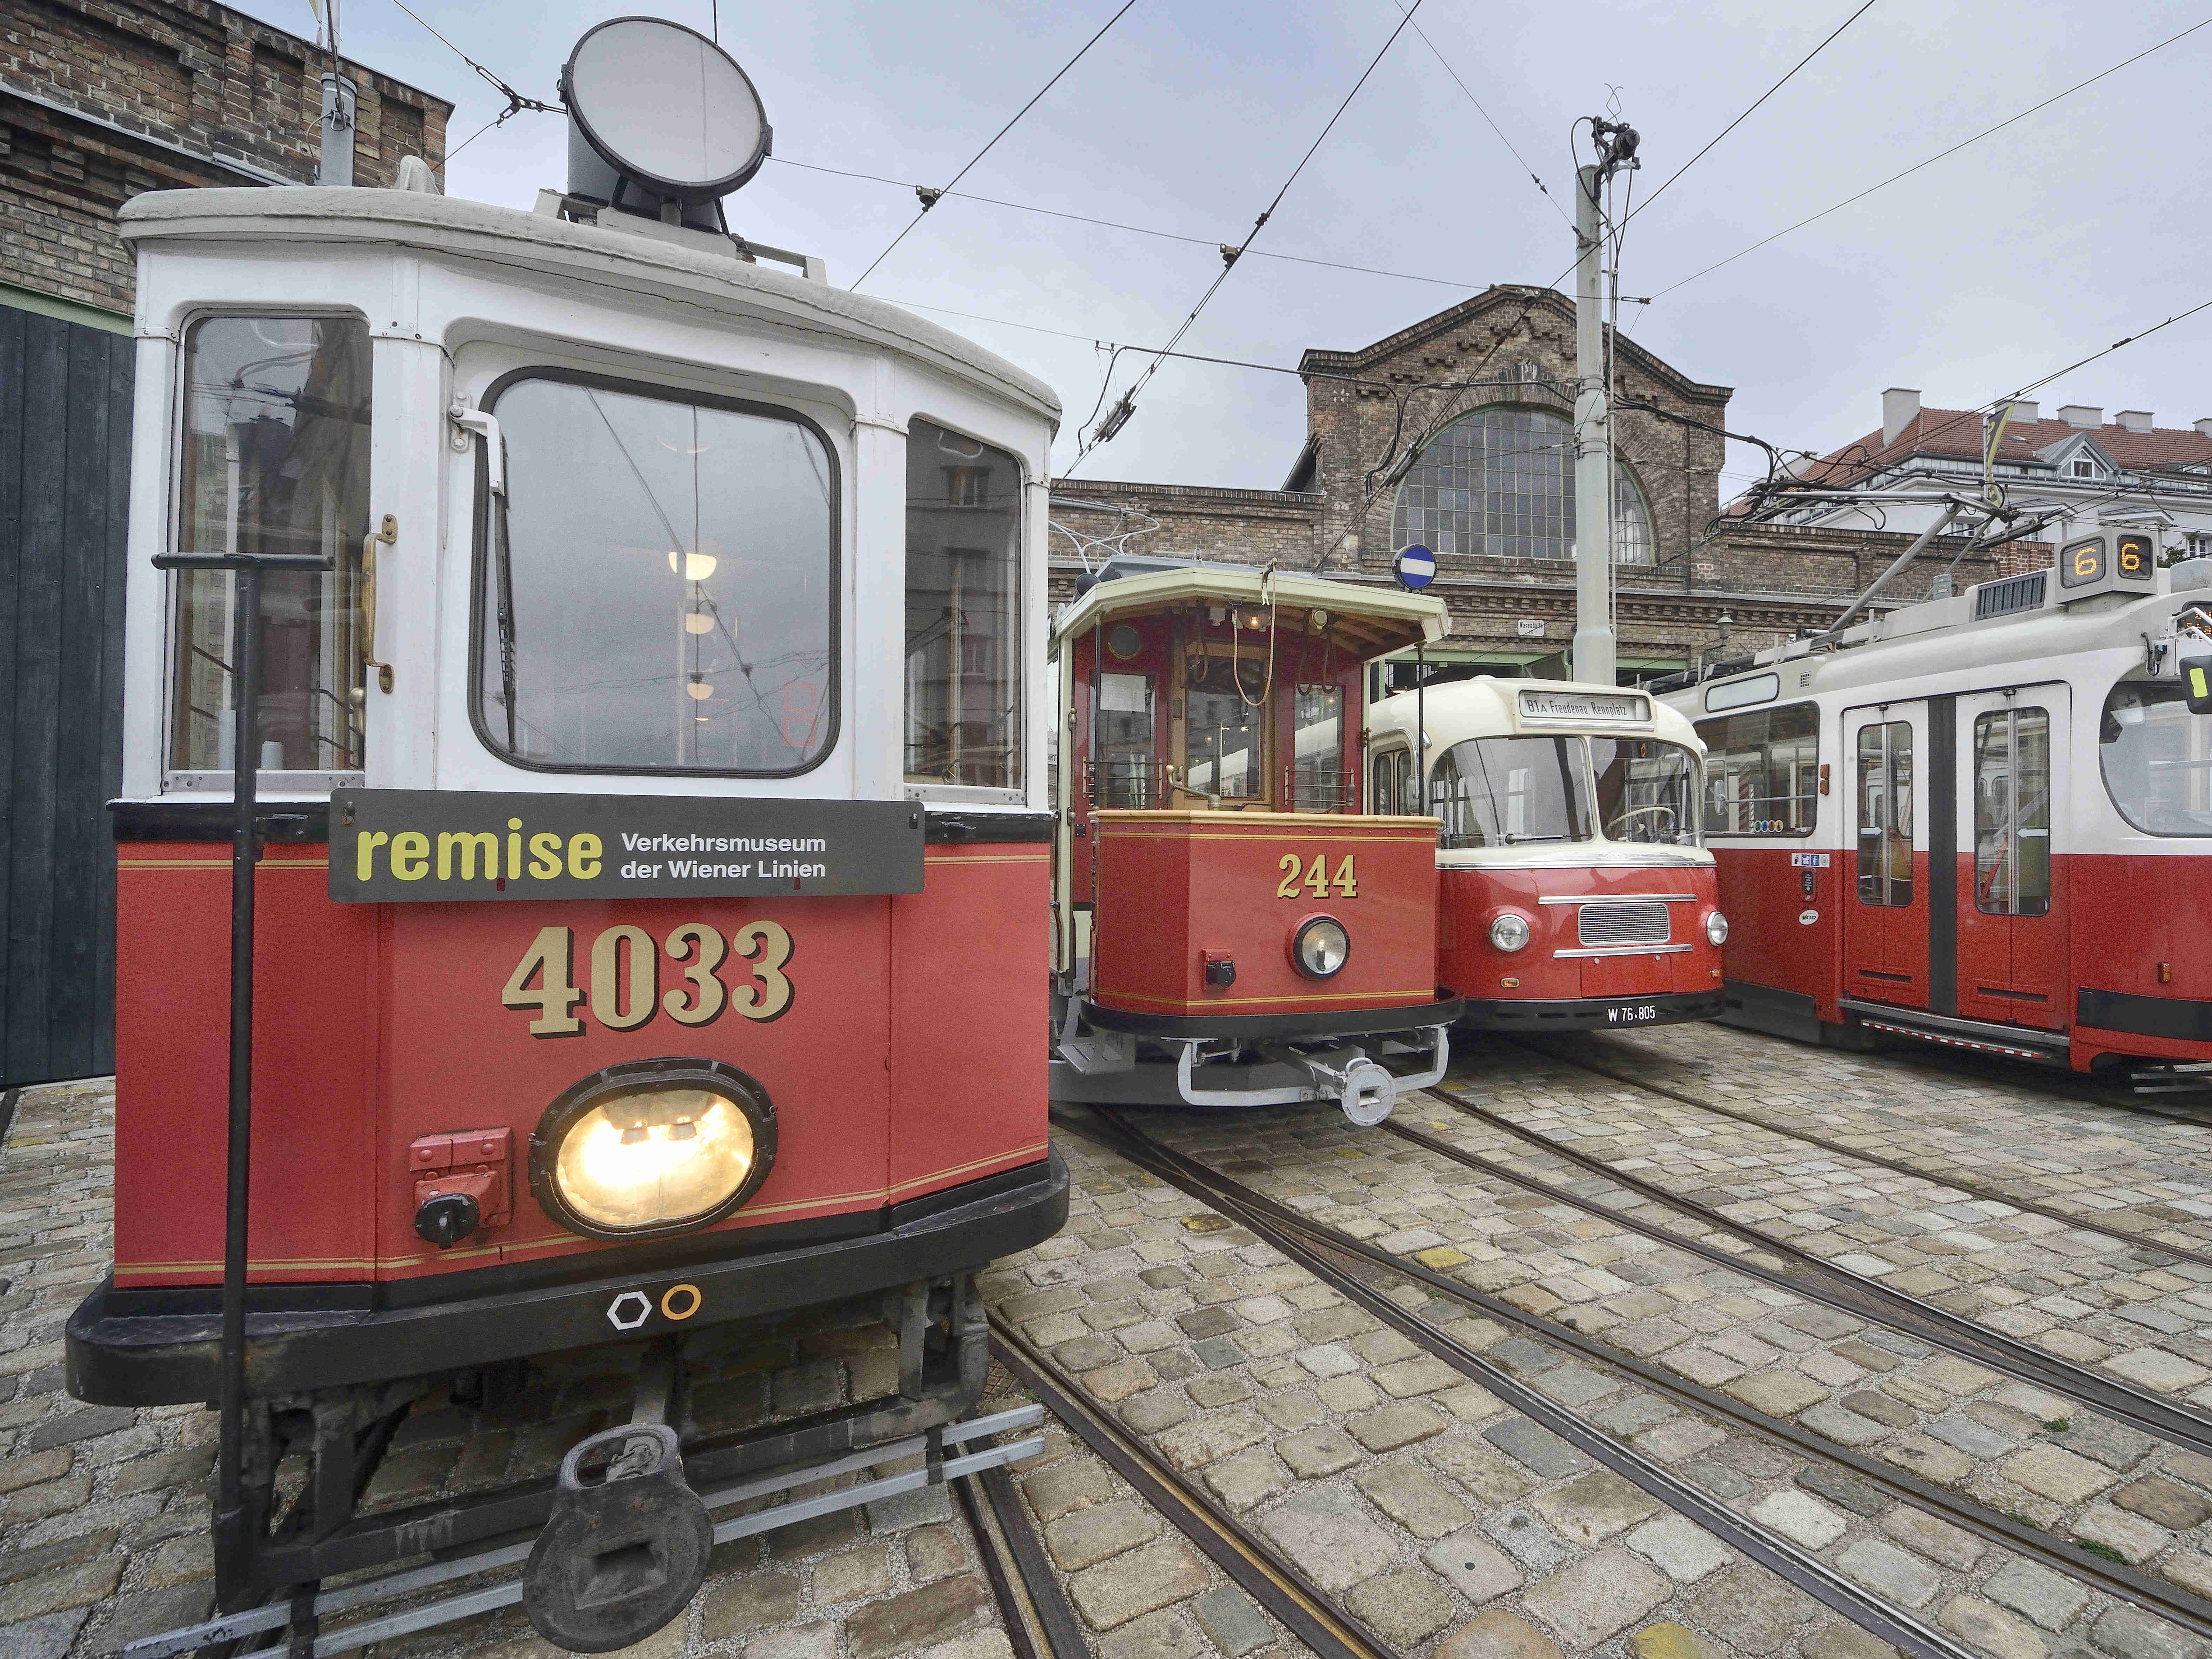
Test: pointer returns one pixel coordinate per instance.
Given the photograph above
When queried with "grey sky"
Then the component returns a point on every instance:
(1991, 269)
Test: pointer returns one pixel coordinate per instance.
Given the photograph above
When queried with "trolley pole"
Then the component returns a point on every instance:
(1594, 640)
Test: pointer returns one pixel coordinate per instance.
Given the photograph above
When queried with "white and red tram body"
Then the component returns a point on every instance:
(1572, 892)
(1980, 821)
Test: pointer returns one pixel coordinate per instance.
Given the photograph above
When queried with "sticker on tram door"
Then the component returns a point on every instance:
(2197, 682)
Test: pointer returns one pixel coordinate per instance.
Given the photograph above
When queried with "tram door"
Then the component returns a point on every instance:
(2011, 748)
(1884, 889)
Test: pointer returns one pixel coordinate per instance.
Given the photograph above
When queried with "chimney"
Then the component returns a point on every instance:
(2080, 415)
(2204, 428)
(2134, 419)
(1900, 408)
(2024, 411)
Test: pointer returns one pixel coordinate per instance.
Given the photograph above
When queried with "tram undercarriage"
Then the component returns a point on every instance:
(1103, 1057)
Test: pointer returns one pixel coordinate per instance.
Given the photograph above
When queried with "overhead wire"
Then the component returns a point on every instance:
(1748, 114)
(1137, 230)
(516, 103)
(1964, 144)
(1104, 430)
(930, 201)
(1533, 177)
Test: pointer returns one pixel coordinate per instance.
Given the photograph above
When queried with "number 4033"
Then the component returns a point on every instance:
(626, 973)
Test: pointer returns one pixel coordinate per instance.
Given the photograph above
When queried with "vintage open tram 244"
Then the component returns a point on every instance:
(1232, 926)
(651, 849)
(1573, 891)
(1980, 821)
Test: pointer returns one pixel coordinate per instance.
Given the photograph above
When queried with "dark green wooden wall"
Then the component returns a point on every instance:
(64, 478)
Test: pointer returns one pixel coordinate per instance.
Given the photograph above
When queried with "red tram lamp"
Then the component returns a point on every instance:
(618, 1006)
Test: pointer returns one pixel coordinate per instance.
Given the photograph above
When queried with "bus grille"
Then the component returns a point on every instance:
(1622, 924)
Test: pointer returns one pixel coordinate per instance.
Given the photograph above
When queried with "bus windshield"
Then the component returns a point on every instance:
(1647, 790)
(1505, 791)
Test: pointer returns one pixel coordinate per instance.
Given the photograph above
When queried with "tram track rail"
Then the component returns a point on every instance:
(1309, 1244)
(1031, 1602)
(1965, 1184)
(1808, 1275)
(1260, 1571)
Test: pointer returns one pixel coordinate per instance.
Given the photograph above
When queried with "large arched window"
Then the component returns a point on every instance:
(1502, 482)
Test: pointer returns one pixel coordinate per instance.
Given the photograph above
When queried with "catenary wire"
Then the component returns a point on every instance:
(1746, 115)
(1137, 230)
(1230, 257)
(1485, 114)
(930, 202)
(1917, 166)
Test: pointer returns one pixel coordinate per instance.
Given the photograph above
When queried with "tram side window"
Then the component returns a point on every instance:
(1762, 772)
(1226, 737)
(2012, 812)
(1647, 790)
(657, 589)
(963, 645)
(2157, 758)
(1885, 803)
(1124, 744)
(1507, 791)
(274, 459)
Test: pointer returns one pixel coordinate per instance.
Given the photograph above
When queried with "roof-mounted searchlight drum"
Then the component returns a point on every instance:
(660, 117)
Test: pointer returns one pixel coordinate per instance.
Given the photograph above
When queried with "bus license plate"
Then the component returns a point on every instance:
(1631, 1013)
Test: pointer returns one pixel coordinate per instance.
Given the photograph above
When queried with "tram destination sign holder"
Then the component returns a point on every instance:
(441, 846)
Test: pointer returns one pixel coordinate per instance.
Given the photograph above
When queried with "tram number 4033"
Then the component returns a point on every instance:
(1300, 878)
(625, 977)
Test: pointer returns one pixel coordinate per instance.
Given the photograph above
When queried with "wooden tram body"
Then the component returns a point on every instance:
(1233, 924)
(1979, 822)
(650, 528)
(1573, 894)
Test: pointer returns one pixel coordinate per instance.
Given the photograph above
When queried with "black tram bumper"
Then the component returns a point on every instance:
(1591, 1014)
(1310, 1025)
(159, 1357)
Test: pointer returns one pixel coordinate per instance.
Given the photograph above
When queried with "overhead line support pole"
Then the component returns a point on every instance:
(1594, 654)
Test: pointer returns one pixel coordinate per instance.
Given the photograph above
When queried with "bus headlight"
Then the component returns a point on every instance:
(1511, 932)
(653, 1147)
(1717, 927)
(1320, 946)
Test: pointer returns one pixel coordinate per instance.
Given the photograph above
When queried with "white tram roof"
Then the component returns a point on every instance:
(648, 267)
(1372, 621)
(2008, 627)
(1485, 707)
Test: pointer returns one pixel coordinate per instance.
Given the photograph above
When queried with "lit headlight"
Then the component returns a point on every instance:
(1717, 927)
(652, 1147)
(1510, 932)
(1320, 947)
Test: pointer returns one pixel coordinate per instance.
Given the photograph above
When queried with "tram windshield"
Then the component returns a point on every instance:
(2157, 758)
(658, 596)
(1647, 791)
(274, 459)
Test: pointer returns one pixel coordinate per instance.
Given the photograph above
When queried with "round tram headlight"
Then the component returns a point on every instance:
(1717, 927)
(653, 1147)
(1511, 932)
(1320, 946)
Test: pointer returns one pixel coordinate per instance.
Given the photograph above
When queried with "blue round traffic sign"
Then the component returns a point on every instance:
(1416, 568)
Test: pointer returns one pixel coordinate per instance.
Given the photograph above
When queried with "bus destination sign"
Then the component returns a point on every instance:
(1578, 706)
(440, 846)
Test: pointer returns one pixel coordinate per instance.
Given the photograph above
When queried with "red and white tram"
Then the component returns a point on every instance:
(651, 905)
(1980, 821)
(1231, 928)
(1573, 891)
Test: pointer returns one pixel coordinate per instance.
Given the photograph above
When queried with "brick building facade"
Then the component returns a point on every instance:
(101, 99)
(1508, 355)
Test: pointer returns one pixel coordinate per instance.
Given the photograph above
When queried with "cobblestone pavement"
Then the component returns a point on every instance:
(1452, 1526)
(1987, 1122)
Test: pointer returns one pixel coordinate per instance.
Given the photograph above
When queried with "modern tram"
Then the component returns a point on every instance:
(1233, 925)
(1980, 821)
(606, 661)
(1574, 892)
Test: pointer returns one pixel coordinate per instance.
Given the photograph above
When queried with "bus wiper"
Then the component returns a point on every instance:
(1512, 840)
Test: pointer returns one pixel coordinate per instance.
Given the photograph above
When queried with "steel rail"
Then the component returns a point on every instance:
(2116, 1579)
(1039, 1600)
(1295, 1602)
(1854, 1293)
(1972, 1188)
(1761, 1544)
